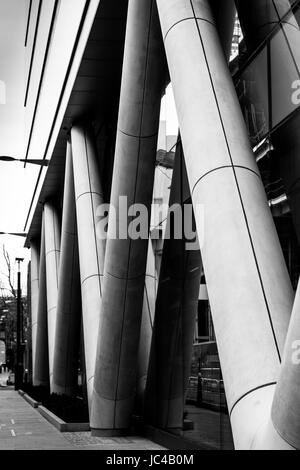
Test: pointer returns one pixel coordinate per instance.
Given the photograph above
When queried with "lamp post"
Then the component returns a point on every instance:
(19, 365)
(5, 158)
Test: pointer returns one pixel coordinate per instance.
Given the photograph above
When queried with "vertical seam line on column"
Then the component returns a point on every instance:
(92, 207)
(148, 305)
(69, 185)
(69, 358)
(55, 247)
(238, 189)
(136, 177)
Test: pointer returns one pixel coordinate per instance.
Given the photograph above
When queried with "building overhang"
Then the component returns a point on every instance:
(92, 91)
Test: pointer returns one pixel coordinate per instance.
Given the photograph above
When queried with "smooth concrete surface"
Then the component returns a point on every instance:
(41, 363)
(248, 284)
(286, 404)
(66, 351)
(143, 80)
(34, 290)
(252, 416)
(175, 316)
(89, 196)
(23, 428)
(52, 248)
(146, 325)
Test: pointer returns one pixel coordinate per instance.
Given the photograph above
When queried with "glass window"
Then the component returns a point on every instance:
(283, 75)
(259, 18)
(252, 89)
(291, 28)
(206, 404)
(282, 7)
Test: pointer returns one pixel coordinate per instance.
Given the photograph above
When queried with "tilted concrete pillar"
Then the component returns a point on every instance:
(52, 246)
(146, 325)
(41, 361)
(286, 404)
(66, 351)
(34, 289)
(248, 284)
(89, 196)
(175, 313)
(125, 261)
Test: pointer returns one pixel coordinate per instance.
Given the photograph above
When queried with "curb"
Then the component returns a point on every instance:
(29, 400)
(61, 425)
(58, 423)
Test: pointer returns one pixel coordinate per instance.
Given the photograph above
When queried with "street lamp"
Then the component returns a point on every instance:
(5, 158)
(19, 365)
(14, 234)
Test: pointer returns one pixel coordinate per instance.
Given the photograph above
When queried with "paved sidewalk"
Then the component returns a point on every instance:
(23, 428)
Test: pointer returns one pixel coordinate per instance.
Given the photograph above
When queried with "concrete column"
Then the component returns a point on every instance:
(286, 404)
(89, 196)
(146, 325)
(175, 315)
(52, 246)
(34, 290)
(66, 351)
(41, 362)
(125, 262)
(248, 284)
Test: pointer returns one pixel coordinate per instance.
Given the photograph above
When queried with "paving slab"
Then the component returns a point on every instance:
(23, 428)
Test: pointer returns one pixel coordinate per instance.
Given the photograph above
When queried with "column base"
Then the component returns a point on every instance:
(110, 432)
(67, 391)
(173, 430)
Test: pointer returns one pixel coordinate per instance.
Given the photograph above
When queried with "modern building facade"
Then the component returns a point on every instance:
(135, 313)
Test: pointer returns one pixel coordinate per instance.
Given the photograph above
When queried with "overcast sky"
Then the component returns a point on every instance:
(15, 182)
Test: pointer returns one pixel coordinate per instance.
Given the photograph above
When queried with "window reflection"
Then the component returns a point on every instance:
(283, 75)
(291, 31)
(252, 89)
(206, 404)
(259, 18)
(271, 76)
